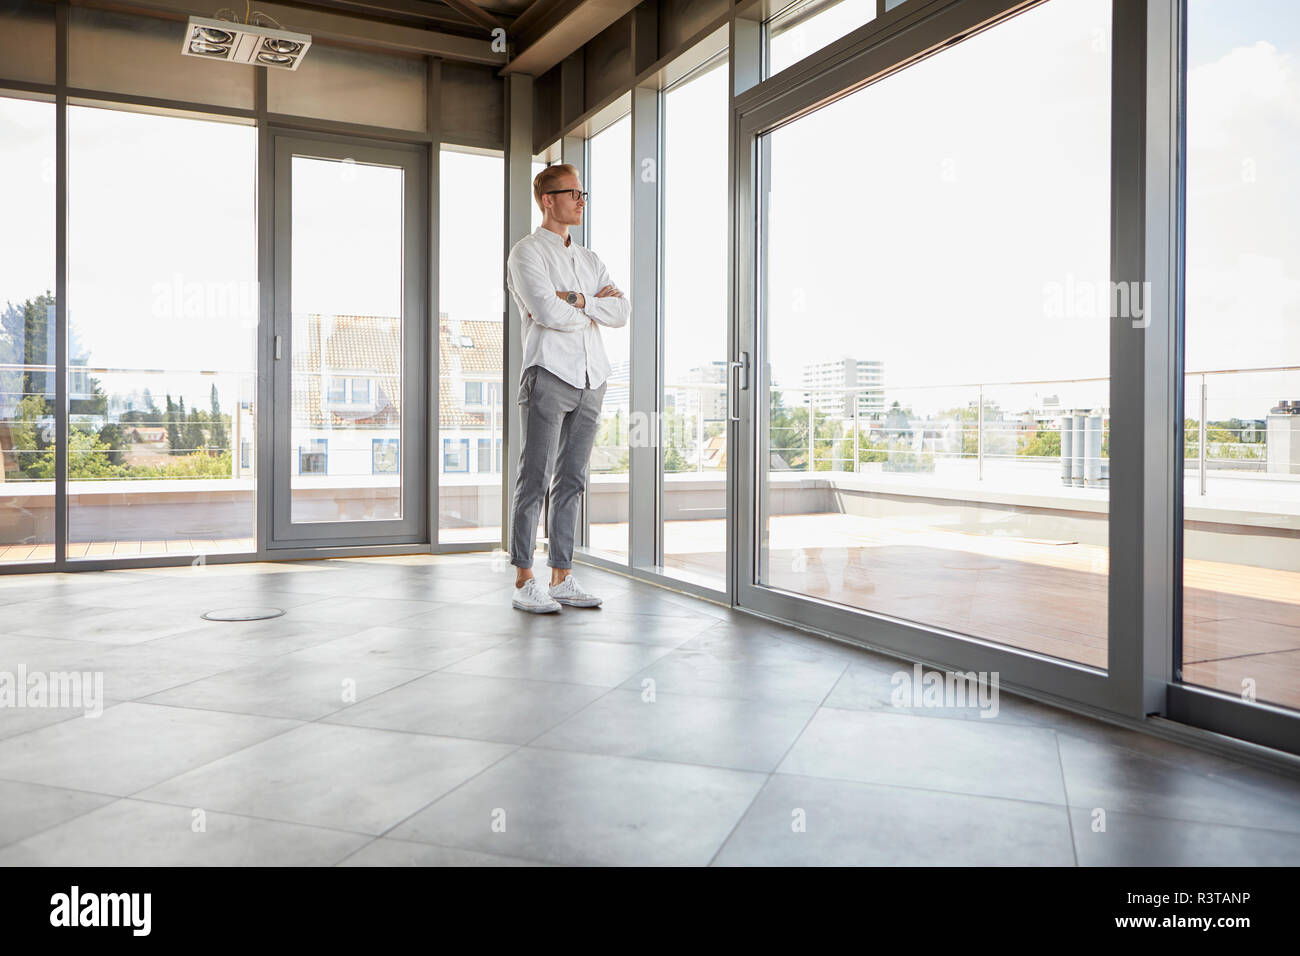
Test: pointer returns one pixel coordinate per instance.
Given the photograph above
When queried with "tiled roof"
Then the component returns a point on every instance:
(480, 361)
(370, 346)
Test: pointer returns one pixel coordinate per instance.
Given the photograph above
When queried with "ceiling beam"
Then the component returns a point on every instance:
(476, 14)
(550, 30)
(423, 13)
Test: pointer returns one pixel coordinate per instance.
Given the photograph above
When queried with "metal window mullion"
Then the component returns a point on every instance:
(744, 70)
(576, 151)
(1162, 429)
(644, 332)
(433, 358)
(264, 425)
(1130, 556)
(61, 426)
(519, 205)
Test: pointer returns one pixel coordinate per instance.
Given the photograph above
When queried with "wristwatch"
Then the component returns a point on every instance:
(571, 298)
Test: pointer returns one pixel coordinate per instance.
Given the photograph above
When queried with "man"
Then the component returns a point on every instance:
(564, 294)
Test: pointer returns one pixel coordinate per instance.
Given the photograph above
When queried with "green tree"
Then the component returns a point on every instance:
(1043, 442)
(217, 436)
(27, 434)
(113, 439)
(182, 447)
(194, 438)
(173, 432)
(788, 434)
(27, 383)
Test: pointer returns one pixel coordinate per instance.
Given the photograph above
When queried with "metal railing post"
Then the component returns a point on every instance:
(856, 458)
(699, 434)
(812, 424)
(1203, 432)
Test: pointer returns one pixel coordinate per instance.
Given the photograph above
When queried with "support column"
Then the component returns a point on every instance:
(518, 187)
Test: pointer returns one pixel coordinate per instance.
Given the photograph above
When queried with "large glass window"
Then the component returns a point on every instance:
(608, 223)
(471, 304)
(27, 325)
(162, 311)
(935, 357)
(1241, 487)
(804, 28)
(693, 441)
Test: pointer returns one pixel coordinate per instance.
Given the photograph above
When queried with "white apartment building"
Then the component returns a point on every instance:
(830, 380)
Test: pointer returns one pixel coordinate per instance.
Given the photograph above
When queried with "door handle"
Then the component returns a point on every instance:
(277, 348)
(733, 394)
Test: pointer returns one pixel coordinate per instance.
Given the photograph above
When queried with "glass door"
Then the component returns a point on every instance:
(350, 450)
(927, 432)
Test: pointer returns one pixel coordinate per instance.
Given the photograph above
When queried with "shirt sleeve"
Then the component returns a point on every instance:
(533, 285)
(611, 310)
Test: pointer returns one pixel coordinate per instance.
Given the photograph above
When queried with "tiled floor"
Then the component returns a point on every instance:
(401, 712)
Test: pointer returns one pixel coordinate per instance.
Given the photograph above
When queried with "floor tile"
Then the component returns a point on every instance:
(348, 778)
(931, 693)
(386, 852)
(288, 686)
(402, 647)
(509, 710)
(713, 731)
(1099, 775)
(28, 808)
(603, 664)
(738, 672)
(589, 810)
(959, 756)
(129, 747)
(139, 833)
(802, 821)
(1131, 839)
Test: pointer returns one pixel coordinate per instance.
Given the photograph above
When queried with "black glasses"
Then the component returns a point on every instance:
(577, 194)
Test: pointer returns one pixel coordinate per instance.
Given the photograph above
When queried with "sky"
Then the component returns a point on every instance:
(607, 220)
(921, 221)
(918, 221)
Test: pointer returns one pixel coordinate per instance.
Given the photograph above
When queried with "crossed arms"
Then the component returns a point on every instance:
(547, 306)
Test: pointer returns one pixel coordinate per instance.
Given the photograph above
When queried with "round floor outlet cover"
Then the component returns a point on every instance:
(243, 614)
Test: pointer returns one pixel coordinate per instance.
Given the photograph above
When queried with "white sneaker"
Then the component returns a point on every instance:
(532, 598)
(570, 592)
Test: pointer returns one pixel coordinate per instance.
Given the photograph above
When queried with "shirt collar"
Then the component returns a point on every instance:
(553, 237)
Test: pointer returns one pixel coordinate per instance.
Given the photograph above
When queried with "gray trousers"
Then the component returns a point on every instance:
(558, 429)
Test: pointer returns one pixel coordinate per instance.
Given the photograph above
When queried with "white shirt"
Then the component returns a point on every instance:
(562, 338)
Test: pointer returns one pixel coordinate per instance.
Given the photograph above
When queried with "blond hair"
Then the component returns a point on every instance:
(548, 177)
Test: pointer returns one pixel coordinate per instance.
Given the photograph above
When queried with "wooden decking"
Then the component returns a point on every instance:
(134, 548)
(1241, 623)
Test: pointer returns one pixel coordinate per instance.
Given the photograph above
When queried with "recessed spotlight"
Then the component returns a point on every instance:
(281, 46)
(208, 49)
(213, 35)
(237, 42)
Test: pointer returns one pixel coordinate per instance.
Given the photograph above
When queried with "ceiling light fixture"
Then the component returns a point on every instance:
(227, 39)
